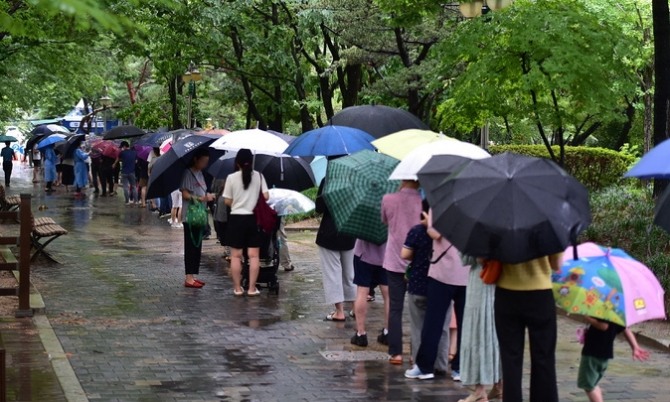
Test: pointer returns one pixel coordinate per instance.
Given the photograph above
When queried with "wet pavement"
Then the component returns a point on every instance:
(132, 332)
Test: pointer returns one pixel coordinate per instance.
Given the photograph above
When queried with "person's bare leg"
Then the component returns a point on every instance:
(179, 210)
(143, 191)
(361, 308)
(236, 268)
(339, 311)
(173, 216)
(254, 267)
(189, 279)
(595, 395)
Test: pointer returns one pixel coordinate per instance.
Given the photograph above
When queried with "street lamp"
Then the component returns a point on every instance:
(106, 103)
(191, 77)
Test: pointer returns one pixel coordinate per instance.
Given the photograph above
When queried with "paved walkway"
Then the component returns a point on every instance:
(132, 332)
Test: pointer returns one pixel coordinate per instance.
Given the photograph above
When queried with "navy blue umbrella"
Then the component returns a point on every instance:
(330, 141)
(67, 146)
(119, 132)
(153, 140)
(654, 165)
(279, 172)
(167, 171)
(377, 120)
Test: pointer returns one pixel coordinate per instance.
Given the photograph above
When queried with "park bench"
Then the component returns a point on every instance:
(8, 202)
(19, 265)
(44, 231)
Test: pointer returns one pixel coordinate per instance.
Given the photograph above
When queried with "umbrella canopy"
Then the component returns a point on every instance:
(153, 139)
(510, 208)
(654, 164)
(354, 189)
(378, 121)
(143, 151)
(410, 166)
(106, 148)
(439, 168)
(279, 171)
(330, 141)
(7, 138)
(50, 140)
(67, 147)
(286, 137)
(289, 202)
(119, 132)
(399, 144)
(610, 285)
(319, 165)
(258, 141)
(169, 168)
(49, 129)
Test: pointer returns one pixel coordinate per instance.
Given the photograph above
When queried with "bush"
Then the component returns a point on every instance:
(623, 217)
(311, 194)
(596, 168)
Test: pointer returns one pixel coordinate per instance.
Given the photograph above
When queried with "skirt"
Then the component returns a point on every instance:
(68, 174)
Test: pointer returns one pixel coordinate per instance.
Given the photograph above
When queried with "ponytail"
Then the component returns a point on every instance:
(246, 175)
(244, 160)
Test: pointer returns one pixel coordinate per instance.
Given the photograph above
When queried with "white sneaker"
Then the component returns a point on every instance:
(455, 375)
(177, 226)
(415, 373)
(170, 221)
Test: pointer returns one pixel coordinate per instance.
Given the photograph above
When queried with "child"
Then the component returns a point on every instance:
(598, 350)
(221, 217)
(176, 212)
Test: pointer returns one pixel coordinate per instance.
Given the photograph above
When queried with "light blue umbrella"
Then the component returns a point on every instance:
(50, 140)
(319, 165)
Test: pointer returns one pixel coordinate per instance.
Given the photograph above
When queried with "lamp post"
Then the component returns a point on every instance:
(191, 77)
(472, 9)
(106, 103)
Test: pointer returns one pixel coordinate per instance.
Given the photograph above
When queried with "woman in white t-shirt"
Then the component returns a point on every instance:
(241, 194)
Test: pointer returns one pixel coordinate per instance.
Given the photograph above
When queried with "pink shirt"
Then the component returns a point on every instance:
(371, 253)
(400, 211)
(449, 269)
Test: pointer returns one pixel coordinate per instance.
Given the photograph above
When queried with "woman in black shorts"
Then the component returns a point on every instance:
(241, 194)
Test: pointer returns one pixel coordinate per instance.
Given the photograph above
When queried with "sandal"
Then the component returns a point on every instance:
(331, 317)
(397, 359)
(238, 294)
(254, 293)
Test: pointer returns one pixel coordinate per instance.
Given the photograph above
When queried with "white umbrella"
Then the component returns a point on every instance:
(289, 202)
(408, 168)
(258, 141)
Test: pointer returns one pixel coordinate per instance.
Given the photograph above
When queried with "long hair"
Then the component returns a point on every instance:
(245, 161)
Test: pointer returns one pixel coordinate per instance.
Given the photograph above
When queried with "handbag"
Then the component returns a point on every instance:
(196, 217)
(491, 270)
(266, 217)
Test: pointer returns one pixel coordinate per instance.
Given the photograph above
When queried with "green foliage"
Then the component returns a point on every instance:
(596, 168)
(623, 217)
(311, 194)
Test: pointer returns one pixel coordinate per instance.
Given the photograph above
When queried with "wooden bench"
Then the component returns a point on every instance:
(8, 202)
(18, 265)
(45, 230)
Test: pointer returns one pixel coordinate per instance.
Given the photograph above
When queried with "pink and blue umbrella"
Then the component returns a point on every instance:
(608, 284)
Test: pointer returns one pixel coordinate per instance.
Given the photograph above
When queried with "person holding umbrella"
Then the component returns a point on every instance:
(194, 189)
(7, 161)
(80, 171)
(241, 193)
(128, 159)
(50, 174)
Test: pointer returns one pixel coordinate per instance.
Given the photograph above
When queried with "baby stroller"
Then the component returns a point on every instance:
(269, 264)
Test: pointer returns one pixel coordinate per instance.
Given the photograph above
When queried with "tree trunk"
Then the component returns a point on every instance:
(624, 136)
(661, 23)
(172, 91)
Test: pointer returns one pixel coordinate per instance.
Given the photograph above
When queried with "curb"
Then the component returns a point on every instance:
(302, 229)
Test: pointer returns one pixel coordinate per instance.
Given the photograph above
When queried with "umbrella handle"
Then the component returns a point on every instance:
(573, 240)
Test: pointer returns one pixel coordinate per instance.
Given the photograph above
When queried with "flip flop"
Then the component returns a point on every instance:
(331, 317)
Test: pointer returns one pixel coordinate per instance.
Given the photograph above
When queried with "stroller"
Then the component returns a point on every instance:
(269, 264)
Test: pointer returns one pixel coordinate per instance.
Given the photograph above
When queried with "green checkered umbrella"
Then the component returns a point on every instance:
(354, 189)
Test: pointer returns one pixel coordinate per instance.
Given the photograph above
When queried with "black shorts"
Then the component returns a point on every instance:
(37, 163)
(242, 232)
(368, 275)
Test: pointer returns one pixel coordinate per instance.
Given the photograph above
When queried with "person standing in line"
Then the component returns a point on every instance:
(336, 254)
(447, 282)
(194, 189)
(67, 173)
(524, 299)
(96, 176)
(80, 171)
(37, 164)
(128, 158)
(107, 176)
(176, 213)
(50, 174)
(284, 252)
(368, 270)
(142, 168)
(400, 212)
(241, 193)
(7, 162)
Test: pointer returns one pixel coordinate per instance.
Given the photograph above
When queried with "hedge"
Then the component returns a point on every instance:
(596, 168)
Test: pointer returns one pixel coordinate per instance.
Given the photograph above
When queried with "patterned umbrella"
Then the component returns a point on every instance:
(354, 189)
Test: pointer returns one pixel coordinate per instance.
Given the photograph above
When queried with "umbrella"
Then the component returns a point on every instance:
(119, 132)
(8, 138)
(106, 148)
(399, 144)
(50, 140)
(439, 168)
(258, 141)
(408, 168)
(378, 121)
(510, 208)
(153, 139)
(47, 129)
(354, 189)
(282, 172)
(654, 164)
(289, 202)
(330, 141)
(169, 168)
(286, 137)
(610, 285)
(215, 131)
(67, 147)
(165, 146)
(319, 165)
(143, 151)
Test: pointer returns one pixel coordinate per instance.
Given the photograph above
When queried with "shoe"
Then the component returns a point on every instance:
(455, 375)
(163, 216)
(289, 268)
(238, 294)
(415, 373)
(331, 317)
(359, 340)
(196, 285)
(383, 338)
(128, 203)
(475, 398)
(206, 237)
(371, 298)
(254, 293)
(177, 226)
(396, 360)
(352, 314)
(199, 281)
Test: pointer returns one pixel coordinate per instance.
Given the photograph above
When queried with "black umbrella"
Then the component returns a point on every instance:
(169, 168)
(119, 132)
(67, 147)
(280, 172)
(510, 208)
(377, 121)
(439, 168)
(153, 140)
(49, 129)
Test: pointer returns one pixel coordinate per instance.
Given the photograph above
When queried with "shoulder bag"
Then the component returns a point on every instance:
(266, 217)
